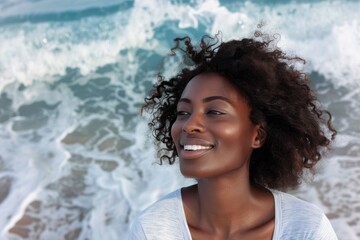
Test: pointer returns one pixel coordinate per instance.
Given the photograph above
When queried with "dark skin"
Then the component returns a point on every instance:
(252, 219)
(214, 138)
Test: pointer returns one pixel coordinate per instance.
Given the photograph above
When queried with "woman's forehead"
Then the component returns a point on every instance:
(210, 84)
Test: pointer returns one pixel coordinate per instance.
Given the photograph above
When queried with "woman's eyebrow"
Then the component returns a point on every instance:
(185, 100)
(207, 99)
(212, 98)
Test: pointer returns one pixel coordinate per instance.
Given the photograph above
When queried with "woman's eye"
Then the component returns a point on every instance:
(182, 113)
(215, 112)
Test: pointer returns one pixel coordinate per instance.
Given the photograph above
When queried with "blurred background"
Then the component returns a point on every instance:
(76, 159)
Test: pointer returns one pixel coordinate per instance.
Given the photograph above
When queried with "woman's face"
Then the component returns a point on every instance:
(212, 133)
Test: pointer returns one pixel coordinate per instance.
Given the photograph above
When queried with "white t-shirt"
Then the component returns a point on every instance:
(295, 219)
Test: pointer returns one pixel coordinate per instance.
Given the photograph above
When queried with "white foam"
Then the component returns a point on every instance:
(36, 51)
(33, 164)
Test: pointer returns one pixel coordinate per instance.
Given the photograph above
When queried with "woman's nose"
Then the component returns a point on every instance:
(195, 123)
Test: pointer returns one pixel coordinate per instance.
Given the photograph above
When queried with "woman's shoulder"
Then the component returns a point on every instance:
(161, 220)
(166, 205)
(300, 218)
(290, 203)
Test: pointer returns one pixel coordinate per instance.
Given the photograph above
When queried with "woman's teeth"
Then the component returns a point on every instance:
(196, 147)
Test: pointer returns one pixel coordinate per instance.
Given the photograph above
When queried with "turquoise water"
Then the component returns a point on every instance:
(77, 160)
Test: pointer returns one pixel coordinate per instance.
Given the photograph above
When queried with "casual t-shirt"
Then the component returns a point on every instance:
(295, 219)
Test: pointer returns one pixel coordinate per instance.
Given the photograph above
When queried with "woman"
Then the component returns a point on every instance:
(245, 124)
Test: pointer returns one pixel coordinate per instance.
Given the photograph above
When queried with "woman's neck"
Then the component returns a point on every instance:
(224, 206)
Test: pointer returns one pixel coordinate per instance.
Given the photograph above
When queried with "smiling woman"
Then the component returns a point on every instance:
(245, 124)
(213, 133)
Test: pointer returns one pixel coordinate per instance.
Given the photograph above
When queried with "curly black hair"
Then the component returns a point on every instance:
(281, 101)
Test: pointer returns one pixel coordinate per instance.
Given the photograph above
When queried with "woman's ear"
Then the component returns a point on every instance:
(260, 137)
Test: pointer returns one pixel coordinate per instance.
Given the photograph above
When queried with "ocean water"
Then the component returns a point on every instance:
(76, 158)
